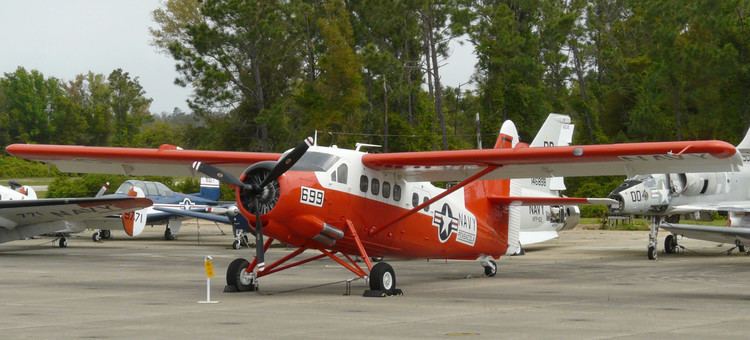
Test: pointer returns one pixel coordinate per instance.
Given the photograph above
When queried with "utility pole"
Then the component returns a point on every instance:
(385, 114)
(458, 101)
(479, 133)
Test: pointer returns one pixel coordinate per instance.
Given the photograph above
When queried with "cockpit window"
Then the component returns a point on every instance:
(151, 189)
(124, 188)
(163, 189)
(315, 161)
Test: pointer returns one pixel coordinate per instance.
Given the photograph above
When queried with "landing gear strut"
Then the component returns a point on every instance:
(96, 236)
(62, 242)
(652, 235)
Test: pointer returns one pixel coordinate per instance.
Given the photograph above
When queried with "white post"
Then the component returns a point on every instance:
(208, 265)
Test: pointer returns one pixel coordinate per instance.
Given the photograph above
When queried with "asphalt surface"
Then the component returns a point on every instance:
(587, 284)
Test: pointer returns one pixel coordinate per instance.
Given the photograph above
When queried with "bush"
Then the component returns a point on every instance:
(12, 167)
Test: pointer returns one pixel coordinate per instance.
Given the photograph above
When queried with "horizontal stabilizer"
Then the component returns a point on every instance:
(510, 200)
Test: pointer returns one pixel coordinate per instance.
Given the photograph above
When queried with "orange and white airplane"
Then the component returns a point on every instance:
(343, 203)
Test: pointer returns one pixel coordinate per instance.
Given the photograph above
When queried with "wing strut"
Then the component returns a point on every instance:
(472, 178)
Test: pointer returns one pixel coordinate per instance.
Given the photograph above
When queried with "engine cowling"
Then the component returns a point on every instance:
(693, 184)
(268, 199)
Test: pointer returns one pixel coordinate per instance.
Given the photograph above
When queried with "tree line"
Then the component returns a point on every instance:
(267, 73)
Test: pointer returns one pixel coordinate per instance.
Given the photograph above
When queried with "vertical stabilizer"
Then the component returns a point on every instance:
(210, 189)
(745, 143)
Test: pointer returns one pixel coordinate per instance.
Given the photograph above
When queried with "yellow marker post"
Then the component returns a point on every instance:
(208, 265)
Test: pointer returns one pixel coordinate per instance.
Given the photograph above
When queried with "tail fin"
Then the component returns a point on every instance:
(556, 131)
(135, 221)
(745, 143)
(210, 189)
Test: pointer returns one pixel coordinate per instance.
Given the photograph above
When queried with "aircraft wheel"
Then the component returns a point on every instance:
(741, 248)
(236, 244)
(670, 244)
(238, 277)
(651, 253)
(63, 243)
(106, 234)
(383, 278)
(490, 269)
(96, 236)
(168, 235)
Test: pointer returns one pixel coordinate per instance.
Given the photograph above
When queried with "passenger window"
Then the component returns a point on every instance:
(414, 200)
(363, 181)
(396, 192)
(333, 176)
(386, 189)
(426, 207)
(375, 186)
(342, 173)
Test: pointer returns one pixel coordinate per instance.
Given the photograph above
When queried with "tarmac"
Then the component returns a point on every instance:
(586, 284)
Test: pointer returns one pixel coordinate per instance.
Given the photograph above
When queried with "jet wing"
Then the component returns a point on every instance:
(167, 159)
(733, 206)
(27, 212)
(709, 233)
(583, 160)
(196, 214)
(511, 200)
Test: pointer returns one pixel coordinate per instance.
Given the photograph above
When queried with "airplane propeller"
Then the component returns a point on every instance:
(256, 190)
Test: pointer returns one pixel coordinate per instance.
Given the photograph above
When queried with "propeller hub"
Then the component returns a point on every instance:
(267, 196)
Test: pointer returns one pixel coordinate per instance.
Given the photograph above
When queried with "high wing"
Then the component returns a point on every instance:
(583, 160)
(733, 206)
(27, 212)
(710, 233)
(167, 159)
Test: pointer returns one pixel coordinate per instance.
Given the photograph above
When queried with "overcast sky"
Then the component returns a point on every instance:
(66, 38)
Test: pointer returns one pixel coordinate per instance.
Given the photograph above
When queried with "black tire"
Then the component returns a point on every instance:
(383, 278)
(63, 243)
(235, 276)
(106, 234)
(491, 269)
(670, 244)
(168, 235)
(236, 244)
(741, 248)
(96, 237)
(651, 253)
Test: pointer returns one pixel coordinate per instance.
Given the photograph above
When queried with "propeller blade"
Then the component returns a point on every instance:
(214, 172)
(259, 253)
(287, 162)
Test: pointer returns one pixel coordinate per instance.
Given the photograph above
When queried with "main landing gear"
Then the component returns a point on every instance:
(168, 234)
(61, 240)
(244, 276)
(670, 244)
(103, 234)
(240, 239)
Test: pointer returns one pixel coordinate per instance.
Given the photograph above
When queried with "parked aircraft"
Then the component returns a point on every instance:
(539, 223)
(664, 196)
(165, 198)
(342, 202)
(22, 215)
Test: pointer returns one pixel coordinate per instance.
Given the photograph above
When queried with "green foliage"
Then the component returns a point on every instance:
(12, 167)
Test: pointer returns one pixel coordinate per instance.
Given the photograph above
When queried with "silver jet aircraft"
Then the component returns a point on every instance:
(664, 197)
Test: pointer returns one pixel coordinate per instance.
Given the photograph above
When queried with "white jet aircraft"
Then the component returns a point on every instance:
(22, 215)
(663, 197)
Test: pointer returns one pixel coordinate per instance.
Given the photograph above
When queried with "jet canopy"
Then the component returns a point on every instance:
(149, 188)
